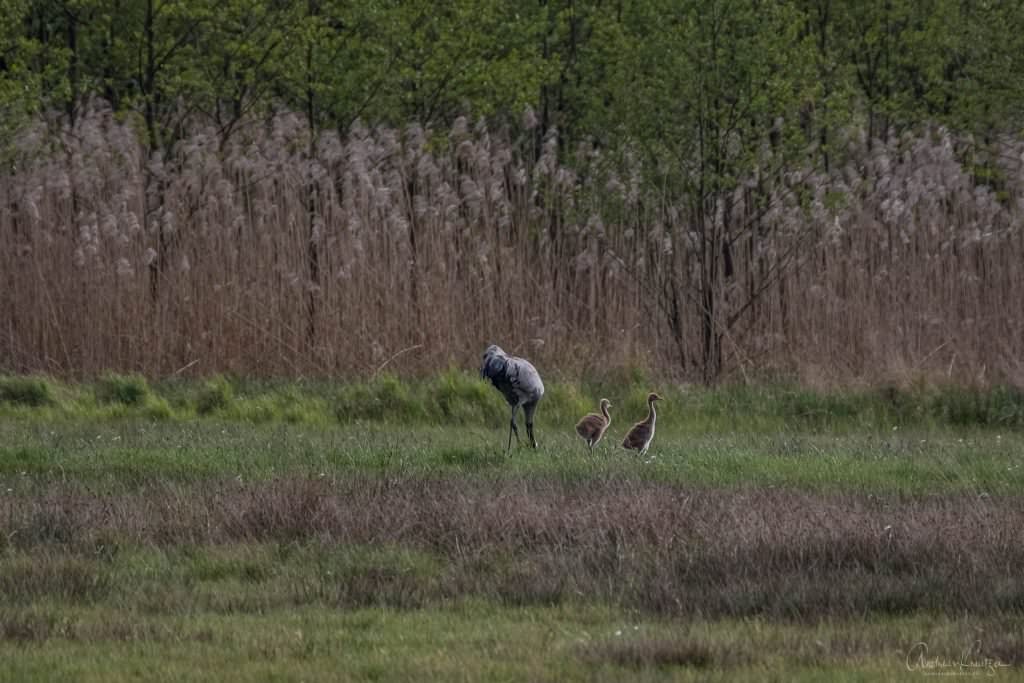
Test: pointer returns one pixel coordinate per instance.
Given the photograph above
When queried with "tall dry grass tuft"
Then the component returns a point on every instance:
(409, 249)
(920, 271)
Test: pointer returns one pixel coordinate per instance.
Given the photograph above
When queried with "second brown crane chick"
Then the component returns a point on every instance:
(640, 436)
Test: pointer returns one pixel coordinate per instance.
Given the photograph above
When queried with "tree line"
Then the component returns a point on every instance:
(647, 70)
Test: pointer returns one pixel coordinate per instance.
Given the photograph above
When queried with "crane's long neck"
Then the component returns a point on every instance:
(652, 414)
(607, 415)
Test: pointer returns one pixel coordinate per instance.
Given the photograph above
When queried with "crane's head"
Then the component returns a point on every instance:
(605, 403)
(652, 397)
(488, 366)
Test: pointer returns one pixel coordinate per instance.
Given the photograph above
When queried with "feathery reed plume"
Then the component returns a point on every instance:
(897, 264)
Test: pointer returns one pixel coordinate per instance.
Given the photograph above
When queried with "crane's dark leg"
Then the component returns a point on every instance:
(528, 411)
(513, 429)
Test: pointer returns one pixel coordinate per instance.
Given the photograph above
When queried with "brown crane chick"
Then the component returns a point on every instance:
(592, 427)
(640, 436)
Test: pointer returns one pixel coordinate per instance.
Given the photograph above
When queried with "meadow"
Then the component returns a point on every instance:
(240, 530)
(812, 210)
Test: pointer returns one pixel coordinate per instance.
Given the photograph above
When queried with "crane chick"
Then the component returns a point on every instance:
(592, 427)
(520, 384)
(640, 436)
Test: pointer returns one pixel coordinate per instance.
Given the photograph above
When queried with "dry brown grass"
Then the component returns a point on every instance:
(650, 546)
(656, 652)
(398, 248)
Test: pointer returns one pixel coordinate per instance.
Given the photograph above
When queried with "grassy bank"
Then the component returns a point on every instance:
(481, 641)
(478, 641)
(459, 398)
(129, 453)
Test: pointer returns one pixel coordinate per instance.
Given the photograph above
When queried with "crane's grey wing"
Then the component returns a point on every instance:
(525, 380)
(516, 378)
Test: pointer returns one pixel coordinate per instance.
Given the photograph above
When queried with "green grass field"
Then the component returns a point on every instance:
(232, 531)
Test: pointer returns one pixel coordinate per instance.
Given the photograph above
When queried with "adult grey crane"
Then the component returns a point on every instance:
(520, 384)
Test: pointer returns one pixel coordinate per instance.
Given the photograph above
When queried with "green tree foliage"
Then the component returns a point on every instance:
(28, 68)
(588, 68)
(582, 44)
(474, 56)
(711, 94)
(984, 76)
(242, 57)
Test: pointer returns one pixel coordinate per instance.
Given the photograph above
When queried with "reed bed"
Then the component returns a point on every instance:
(280, 252)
